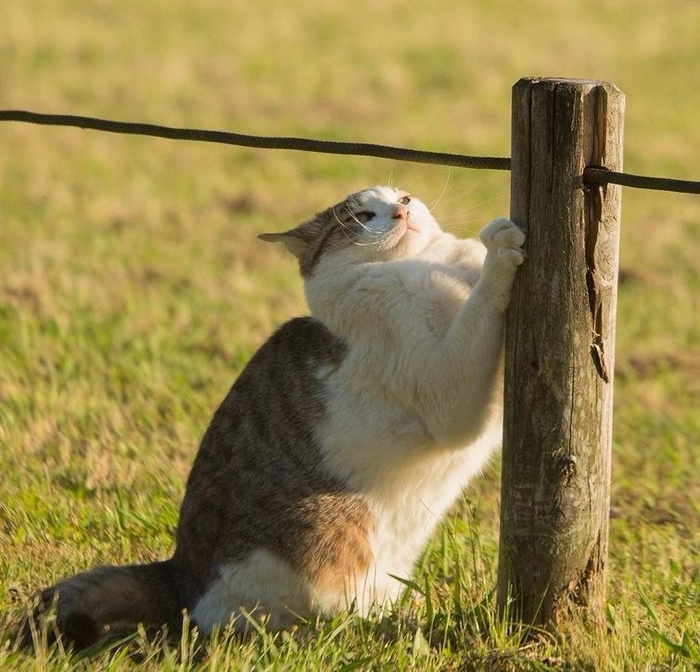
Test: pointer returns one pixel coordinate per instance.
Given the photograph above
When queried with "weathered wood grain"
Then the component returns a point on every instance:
(560, 349)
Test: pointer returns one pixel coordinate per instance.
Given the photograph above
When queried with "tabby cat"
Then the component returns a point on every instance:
(344, 440)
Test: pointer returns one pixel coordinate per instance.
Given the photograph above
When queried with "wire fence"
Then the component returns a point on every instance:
(592, 175)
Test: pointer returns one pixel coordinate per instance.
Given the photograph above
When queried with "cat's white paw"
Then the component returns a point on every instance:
(505, 239)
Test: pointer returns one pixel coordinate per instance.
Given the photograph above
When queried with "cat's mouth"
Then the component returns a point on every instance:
(401, 233)
(407, 226)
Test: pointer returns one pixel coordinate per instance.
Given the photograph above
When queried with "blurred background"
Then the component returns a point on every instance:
(133, 289)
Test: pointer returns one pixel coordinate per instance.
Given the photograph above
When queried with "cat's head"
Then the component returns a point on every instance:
(377, 224)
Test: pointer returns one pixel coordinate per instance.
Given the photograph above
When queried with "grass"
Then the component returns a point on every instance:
(133, 290)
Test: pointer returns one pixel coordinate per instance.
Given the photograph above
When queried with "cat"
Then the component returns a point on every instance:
(343, 441)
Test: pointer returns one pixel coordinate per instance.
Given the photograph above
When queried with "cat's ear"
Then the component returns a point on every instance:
(295, 240)
(294, 244)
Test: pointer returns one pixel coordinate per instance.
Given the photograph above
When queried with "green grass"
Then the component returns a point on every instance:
(133, 290)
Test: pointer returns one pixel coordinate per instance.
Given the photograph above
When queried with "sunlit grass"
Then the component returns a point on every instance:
(133, 290)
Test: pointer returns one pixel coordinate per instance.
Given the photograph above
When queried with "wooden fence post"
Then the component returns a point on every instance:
(560, 357)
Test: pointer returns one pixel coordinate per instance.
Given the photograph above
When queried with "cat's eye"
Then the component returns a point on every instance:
(405, 200)
(363, 217)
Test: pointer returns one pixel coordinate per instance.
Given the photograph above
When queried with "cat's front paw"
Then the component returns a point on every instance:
(505, 239)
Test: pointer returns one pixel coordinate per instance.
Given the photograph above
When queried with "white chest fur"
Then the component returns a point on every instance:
(383, 434)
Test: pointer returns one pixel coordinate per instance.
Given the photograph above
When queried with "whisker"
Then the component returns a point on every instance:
(470, 209)
(349, 234)
(444, 189)
(460, 195)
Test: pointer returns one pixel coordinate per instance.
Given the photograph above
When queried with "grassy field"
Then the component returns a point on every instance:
(133, 290)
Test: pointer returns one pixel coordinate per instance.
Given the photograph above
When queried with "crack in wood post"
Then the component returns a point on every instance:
(560, 350)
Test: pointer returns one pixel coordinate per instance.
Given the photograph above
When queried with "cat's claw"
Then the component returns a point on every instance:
(505, 239)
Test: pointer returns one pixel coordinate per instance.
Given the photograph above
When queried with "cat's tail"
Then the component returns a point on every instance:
(89, 604)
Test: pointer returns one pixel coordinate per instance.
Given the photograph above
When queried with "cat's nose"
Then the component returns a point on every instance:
(400, 213)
